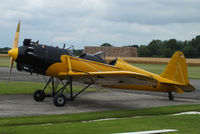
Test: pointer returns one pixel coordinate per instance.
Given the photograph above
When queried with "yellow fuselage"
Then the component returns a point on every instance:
(82, 65)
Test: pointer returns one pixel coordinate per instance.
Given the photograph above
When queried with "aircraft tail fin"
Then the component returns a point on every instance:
(176, 69)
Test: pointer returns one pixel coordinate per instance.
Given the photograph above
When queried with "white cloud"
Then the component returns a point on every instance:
(153, 12)
(93, 22)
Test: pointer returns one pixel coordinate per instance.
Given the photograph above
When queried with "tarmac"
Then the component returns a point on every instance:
(108, 99)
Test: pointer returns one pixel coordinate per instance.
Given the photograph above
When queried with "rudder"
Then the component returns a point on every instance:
(176, 69)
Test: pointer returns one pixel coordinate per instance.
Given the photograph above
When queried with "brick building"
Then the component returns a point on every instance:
(112, 51)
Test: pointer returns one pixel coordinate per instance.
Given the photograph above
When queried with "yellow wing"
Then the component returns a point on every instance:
(98, 73)
(110, 78)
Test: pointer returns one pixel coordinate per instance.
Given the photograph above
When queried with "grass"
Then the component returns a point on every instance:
(193, 71)
(19, 87)
(154, 68)
(4, 61)
(129, 120)
(187, 124)
(30, 87)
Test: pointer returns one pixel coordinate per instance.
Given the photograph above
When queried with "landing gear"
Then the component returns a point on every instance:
(38, 95)
(59, 99)
(171, 96)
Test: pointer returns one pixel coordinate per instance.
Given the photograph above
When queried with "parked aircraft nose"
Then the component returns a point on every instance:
(13, 53)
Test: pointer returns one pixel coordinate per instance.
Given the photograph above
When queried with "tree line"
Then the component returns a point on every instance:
(4, 50)
(158, 48)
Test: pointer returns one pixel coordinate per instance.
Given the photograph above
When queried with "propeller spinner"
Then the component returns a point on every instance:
(14, 51)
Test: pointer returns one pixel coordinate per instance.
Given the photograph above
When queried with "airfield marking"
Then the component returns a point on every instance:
(150, 132)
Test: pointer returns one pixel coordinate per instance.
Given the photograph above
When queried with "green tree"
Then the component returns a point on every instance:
(167, 52)
(78, 52)
(143, 51)
(174, 45)
(190, 52)
(106, 44)
(154, 48)
(157, 48)
(4, 50)
(195, 43)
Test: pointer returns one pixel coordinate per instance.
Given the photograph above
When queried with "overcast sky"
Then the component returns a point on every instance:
(93, 22)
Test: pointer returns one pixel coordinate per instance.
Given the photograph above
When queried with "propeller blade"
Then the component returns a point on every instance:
(10, 68)
(16, 40)
(15, 45)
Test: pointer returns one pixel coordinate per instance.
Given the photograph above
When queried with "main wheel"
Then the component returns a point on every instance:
(171, 96)
(59, 100)
(38, 95)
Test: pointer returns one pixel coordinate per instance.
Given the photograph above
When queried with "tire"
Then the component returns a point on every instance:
(38, 95)
(59, 100)
(171, 97)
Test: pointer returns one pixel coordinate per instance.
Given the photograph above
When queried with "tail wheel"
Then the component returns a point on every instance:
(38, 95)
(171, 96)
(59, 100)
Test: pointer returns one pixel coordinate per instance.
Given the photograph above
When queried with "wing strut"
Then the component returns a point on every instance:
(60, 99)
(69, 64)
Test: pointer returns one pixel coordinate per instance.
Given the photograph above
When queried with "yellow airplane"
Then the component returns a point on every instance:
(93, 70)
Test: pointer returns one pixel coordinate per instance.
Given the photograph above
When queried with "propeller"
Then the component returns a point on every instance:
(12, 53)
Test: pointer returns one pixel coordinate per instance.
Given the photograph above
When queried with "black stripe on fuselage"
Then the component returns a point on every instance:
(36, 58)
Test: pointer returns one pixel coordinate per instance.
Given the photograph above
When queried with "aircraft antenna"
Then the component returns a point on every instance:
(63, 46)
